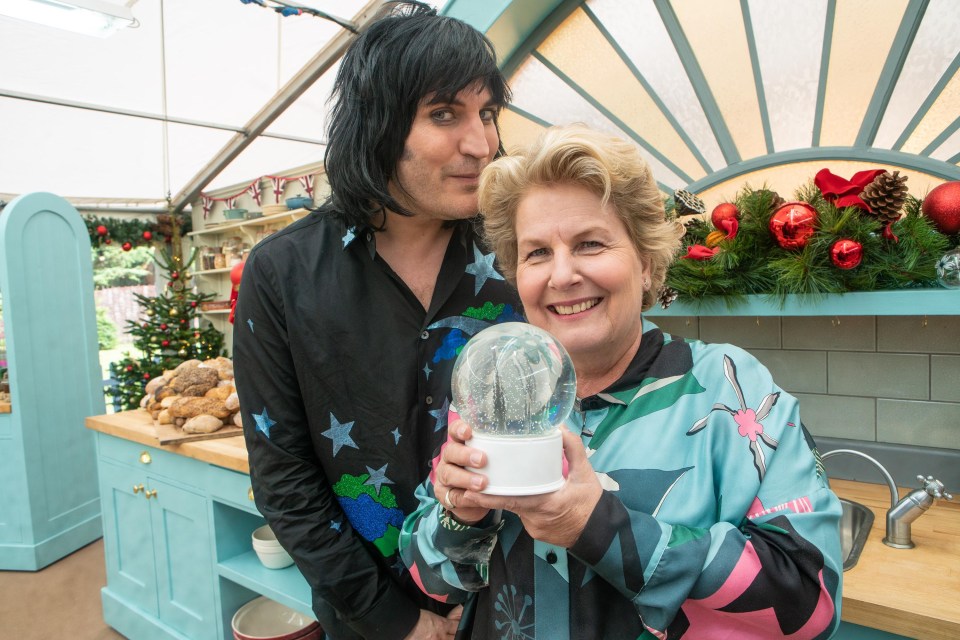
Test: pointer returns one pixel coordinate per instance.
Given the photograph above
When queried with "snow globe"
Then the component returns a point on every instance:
(514, 384)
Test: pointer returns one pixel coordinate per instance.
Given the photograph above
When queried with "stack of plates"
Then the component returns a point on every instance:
(273, 209)
(266, 619)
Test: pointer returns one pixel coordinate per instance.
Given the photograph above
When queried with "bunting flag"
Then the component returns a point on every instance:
(278, 184)
(307, 182)
(256, 192)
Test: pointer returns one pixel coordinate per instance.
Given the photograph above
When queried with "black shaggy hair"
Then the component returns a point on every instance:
(409, 53)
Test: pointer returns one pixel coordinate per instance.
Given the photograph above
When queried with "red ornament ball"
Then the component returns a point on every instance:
(236, 273)
(724, 211)
(193, 303)
(126, 246)
(101, 230)
(942, 206)
(107, 241)
(163, 326)
(164, 343)
(147, 235)
(183, 321)
(174, 275)
(129, 367)
(846, 253)
(146, 376)
(792, 225)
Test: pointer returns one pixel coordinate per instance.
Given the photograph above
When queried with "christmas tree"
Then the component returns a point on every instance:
(169, 332)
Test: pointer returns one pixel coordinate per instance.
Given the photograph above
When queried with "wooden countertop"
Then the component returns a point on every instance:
(911, 592)
(137, 426)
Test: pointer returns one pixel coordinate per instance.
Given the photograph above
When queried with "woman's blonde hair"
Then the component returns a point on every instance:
(607, 166)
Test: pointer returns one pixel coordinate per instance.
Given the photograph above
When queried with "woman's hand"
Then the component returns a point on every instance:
(453, 479)
(559, 517)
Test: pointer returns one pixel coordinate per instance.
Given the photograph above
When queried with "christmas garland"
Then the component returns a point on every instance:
(134, 233)
(837, 236)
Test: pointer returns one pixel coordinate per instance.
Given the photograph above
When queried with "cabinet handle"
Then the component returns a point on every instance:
(137, 488)
(151, 493)
(250, 493)
(145, 458)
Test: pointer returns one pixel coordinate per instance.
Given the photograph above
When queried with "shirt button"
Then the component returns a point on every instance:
(368, 237)
(551, 557)
(424, 335)
(429, 400)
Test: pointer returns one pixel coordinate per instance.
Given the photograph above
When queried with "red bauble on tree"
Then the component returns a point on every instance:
(164, 343)
(126, 246)
(101, 230)
(725, 218)
(147, 236)
(846, 253)
(942, 206)
(792, 225)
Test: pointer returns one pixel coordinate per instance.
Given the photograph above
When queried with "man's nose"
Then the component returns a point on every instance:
(474, 141)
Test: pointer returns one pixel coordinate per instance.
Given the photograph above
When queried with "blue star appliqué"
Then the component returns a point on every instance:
(336, 524)
(427, 370)
(378, 477)
(441, 415)
(340, 434)
(482, 269)
(347, 237)
(250, 324)
(396, 435)
(263, 422)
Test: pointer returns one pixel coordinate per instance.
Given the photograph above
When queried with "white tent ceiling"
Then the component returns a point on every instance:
(136, 116)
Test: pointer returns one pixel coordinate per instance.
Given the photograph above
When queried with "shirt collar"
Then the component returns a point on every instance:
(651, 344)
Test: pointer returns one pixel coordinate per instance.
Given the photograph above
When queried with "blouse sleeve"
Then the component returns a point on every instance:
(773, 572)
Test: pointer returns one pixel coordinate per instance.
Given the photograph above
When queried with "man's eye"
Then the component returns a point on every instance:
(443, 115)
(488, 115)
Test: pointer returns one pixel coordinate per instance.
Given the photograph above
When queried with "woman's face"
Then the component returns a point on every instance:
(578, 273)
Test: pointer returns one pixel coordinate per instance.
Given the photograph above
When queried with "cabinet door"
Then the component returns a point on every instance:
(184, 557)
(127, 537)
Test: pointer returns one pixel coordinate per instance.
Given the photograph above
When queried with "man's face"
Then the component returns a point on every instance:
(449, 145)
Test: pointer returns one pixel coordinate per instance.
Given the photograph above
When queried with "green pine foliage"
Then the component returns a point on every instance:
(168, 332)
(753, 262)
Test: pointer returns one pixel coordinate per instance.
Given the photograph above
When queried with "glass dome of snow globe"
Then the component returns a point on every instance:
(514, 384)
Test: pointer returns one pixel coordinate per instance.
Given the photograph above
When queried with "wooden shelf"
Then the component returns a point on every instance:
(905, 302)
(263, 221)
(212, 272)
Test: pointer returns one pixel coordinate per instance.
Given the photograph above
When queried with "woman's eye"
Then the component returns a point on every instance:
(536, 253)
(590, 244)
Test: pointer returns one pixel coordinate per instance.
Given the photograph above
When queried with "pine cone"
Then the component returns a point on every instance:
(885, 196)
(775, 200)
(666, 296)
(687, 204)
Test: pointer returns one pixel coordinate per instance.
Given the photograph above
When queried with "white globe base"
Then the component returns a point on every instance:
(521, 466)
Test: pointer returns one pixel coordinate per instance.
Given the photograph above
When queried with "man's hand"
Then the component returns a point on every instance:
(431, 626)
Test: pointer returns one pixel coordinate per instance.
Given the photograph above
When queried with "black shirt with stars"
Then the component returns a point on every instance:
(344, 385)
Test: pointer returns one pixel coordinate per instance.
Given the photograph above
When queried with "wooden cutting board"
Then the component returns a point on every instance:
(169, 434)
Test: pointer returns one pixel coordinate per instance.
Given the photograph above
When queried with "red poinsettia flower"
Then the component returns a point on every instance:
(845, 193)
(700, 252)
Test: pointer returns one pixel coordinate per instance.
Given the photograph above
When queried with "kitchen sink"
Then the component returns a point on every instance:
(855, 524)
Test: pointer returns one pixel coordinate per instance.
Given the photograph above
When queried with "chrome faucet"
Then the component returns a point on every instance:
(901, 512)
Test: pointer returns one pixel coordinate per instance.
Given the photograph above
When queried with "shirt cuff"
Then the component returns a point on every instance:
(466, 544)
(393, 617)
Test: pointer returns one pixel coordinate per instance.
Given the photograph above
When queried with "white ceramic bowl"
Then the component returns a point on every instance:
(266, 619)
(271, 554)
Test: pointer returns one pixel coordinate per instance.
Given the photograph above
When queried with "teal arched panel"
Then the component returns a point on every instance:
(49, 499)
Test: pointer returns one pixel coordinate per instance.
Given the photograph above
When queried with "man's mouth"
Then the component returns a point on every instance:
(580, 307)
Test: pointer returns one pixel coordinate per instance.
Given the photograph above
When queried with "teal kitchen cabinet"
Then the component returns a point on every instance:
(157, 545)
(49, 503)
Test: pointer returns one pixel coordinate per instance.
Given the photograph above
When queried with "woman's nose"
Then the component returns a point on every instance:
(564, 272)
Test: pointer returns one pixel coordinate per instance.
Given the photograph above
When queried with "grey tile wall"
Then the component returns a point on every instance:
(893, 379)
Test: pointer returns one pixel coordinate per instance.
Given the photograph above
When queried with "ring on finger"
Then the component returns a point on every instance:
(446, 500)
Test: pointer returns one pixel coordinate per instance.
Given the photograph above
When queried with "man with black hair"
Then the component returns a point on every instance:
(349, 320)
